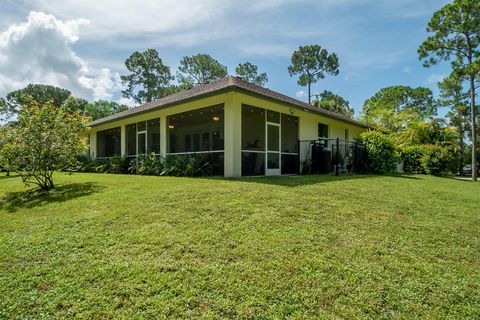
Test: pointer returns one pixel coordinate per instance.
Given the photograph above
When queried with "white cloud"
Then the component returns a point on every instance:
(300, 94)
(406, 69)
(40, 51)
(267, 49)
(142, 16)
(434, 78)
(127, 101)
(355, 76)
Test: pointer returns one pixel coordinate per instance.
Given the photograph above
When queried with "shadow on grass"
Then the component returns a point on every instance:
(13, 201)
(301, 180)
(4, 176)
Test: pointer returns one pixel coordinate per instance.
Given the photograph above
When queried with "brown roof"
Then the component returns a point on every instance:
(217, 86)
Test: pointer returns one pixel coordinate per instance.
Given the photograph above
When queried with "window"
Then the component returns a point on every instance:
(289, 134)
(253, 141)
(143, 137)
(346, 135)
(108, 142)
(253, 128)
(153, 136)
(322, 131)
(200, 130)
(289, 144)
(273, 116)
(131, 139)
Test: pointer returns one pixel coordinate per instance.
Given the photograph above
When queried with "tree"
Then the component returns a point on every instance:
(452, 95)
(198, 69)
(3, 155)
(103, 108)
(311, 63)
(41, 93)
(249, 72)
(395, 108)
(72, 104)
(455, 37)
(333, 102)
(148, 72)
(433, 132)
(45, 139)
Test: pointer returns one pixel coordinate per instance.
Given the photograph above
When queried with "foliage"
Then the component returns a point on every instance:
(333, 102)
(148, 73)
(312, 63)
(150, 165)
(199, 69)
(433, 131)
(116, 164)
(45, 139)
(455, 37)
(381, 152)
(249, 72)
(437, 160)
(4, 157)
(452, 95)
(394, 108)
(192, 165)
(41, 93)
(103, 108)
(411, 157)
(321, 246)
(72, 104)
(60, 98)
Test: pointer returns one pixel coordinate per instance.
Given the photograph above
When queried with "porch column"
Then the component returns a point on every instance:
(93, 143)
(122, 140)
(163, 136)
(233, 136)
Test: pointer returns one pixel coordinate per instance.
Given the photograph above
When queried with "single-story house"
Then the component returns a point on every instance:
(250, 130)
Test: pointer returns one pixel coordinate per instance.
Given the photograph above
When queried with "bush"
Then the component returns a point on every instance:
(412, 159)
(192, 165)
(114, 164)
(381, 152)
(44, 139)
(147, 165)
(437, 160)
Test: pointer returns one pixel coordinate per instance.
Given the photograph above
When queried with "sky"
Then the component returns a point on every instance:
(82, 45)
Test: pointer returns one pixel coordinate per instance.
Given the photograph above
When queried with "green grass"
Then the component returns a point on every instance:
(122, 246)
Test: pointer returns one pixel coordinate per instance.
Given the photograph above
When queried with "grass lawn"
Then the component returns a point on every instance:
(122, 246)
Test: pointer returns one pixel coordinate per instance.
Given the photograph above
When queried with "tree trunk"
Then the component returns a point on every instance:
(309, 95)
(474, 127)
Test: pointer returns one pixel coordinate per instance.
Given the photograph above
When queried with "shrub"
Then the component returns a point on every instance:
(411, 157)
(381, 153)
(191, 165)
(114, 164)
(44, 139)
(147, 165)
(437, 160)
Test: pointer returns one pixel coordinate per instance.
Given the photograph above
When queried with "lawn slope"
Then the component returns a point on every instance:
(123, 246)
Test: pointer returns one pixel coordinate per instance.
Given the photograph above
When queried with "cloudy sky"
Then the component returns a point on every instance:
(82, 45)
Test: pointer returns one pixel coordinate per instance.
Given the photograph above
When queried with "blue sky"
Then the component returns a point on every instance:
(82, 45)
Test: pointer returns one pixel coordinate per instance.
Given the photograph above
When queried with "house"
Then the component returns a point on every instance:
(250, 130)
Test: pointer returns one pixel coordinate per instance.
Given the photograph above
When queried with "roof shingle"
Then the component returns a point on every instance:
(221, 85)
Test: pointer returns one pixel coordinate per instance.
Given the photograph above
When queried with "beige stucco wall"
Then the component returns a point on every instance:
(233, 100)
